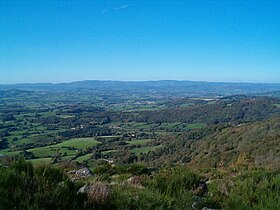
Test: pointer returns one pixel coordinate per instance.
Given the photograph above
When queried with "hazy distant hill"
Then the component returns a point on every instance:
(164, 87)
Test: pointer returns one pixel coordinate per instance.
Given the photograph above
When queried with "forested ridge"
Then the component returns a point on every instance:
(235, 111)
(257, 143)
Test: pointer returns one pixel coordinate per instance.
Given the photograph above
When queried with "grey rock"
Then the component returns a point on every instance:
(97, 193)
(83, 189)
(194, 205)
(135, 181)
(83, 172)
(72, 172)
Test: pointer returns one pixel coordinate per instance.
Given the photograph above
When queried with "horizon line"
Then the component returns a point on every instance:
(161, 80)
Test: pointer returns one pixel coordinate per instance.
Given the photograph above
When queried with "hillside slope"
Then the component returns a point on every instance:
(233, 111)
(256, 143)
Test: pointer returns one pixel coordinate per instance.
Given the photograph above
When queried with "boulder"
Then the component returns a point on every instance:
(83, 172)
(83, 189)
(135, 181)
(201, 188)
(98, 193)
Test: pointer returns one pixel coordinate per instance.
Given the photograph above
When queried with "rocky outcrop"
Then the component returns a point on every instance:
(84, 172)
(135, 181)
(98, 193)
(81, 173)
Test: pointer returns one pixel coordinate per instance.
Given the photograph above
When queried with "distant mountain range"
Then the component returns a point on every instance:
(162, 87)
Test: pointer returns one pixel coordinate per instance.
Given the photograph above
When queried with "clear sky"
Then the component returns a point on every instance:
(63, 41)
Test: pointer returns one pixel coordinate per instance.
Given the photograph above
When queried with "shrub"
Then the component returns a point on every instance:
(23, 186)
(175, 181)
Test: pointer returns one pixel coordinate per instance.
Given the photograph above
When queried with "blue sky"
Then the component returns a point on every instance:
(64, 41)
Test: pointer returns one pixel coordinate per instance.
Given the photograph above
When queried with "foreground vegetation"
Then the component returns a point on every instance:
(24, 186)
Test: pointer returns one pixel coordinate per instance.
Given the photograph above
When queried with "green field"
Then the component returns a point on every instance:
(83, 158)
(277, 105)
(78, 143)
(9, 153)
(211, 102)
(41, 160)
(195, 125)
(139, 142)
(134, 125)
(49, 151)
(109, 151)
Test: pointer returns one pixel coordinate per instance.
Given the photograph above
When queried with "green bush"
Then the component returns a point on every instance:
(127, 197)
(257, 189)
(23, 186)
(175, 181)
